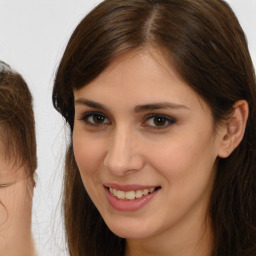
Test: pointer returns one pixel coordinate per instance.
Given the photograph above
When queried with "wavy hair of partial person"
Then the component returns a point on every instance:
(17, 121)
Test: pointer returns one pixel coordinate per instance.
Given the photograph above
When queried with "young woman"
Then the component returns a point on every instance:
(160, 98)
(18, 164)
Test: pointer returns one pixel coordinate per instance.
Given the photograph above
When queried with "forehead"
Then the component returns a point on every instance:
(139, 77)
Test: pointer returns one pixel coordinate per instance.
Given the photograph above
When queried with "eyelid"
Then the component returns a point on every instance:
(84, 117)
(167, 118)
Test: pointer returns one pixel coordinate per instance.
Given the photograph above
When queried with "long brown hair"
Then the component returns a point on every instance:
(17, 121)
(203, 41)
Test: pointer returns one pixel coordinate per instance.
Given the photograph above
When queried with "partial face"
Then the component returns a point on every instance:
(10, 171)
(145, 146)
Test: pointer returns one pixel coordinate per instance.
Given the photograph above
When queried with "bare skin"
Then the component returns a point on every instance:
(15, 215)
(16, 192)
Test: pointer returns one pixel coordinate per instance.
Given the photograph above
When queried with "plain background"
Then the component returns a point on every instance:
(33, 36)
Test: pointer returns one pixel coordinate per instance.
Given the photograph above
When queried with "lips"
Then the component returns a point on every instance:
(129, 197)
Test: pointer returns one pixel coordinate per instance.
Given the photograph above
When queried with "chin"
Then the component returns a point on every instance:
(129, 230)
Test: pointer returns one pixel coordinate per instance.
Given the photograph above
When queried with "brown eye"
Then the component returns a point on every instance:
(98, 119)
(95, 119)
(158, 121)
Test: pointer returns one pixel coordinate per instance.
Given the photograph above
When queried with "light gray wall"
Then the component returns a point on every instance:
(33, 35)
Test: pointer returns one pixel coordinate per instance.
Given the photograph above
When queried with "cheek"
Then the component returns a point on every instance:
(184, 159)
(88, 153)
(188, 170)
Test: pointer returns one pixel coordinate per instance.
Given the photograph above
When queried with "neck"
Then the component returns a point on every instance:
(15, 216)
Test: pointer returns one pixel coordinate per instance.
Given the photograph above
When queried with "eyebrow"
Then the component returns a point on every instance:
(161, 105)
(137, 109)
(90, 103)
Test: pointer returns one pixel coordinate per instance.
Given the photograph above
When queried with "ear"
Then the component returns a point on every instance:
(233, 132)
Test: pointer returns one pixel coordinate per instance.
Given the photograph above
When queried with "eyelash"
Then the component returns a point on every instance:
(86, 117)
(167, 120)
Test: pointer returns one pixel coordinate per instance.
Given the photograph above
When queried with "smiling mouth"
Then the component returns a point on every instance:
(131, 195)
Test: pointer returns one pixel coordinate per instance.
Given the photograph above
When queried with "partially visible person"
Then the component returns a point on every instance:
(18, 164)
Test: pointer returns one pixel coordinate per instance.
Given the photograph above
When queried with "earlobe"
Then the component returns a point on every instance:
(235, 128)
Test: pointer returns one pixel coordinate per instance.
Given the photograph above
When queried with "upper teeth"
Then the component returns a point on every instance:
(130, 195)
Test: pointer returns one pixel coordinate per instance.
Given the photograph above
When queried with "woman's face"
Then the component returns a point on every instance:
(145, 146)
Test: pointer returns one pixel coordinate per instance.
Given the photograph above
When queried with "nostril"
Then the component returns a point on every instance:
(123, 163)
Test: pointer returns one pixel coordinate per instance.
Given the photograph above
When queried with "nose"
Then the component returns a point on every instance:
(123, 155)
